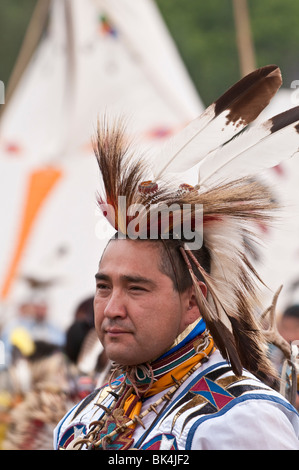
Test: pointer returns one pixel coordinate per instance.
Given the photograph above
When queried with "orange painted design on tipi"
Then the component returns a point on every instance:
(41, 182)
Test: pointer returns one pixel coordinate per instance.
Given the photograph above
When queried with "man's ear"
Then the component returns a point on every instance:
(193, 312)
(203, 288)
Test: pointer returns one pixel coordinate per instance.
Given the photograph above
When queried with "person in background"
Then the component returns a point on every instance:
(288, 324)
(288, 327)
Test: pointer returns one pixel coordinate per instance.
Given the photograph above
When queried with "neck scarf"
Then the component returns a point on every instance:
(162, 373)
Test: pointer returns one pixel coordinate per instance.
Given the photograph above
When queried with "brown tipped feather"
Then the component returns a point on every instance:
(219, 123)
(248, 97)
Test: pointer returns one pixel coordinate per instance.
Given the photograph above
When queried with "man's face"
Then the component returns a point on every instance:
(138, 314)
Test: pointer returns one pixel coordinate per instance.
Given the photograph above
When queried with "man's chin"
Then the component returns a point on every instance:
(124, 358)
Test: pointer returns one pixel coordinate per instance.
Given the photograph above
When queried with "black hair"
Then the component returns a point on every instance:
(172, 263)
(174, 266)
(292, 311)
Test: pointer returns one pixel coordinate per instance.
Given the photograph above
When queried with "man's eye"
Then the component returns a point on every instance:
(137, 288)
(102, 286)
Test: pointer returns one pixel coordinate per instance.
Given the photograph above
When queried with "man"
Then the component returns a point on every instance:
(177, 317)
(140, 314)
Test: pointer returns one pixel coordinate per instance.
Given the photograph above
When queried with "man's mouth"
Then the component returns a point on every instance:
(115, 331)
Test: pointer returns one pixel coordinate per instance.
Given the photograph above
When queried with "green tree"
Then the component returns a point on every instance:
(14, 18)
(204, 33)
(205, 36)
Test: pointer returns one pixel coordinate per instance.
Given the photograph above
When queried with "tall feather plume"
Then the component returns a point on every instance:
(120, 174)
(228, 115)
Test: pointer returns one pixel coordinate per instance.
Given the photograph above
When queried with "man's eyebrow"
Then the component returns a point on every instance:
(126, 278)
(138, 279)
(102, 277)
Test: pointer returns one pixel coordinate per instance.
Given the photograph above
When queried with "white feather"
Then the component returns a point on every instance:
(253, 151)
(194, 142)
(221, 121)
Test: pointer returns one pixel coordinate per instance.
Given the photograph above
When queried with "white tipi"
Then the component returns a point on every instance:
(95, 57)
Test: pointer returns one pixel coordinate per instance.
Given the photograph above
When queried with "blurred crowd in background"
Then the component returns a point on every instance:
(47, 370)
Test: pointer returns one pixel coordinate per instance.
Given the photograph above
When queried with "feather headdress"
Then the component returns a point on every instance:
(228, 199)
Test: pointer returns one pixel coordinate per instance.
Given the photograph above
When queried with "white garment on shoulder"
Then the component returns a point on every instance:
(253, 417)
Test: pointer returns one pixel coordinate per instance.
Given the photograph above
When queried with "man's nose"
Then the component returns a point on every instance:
(115, 306)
